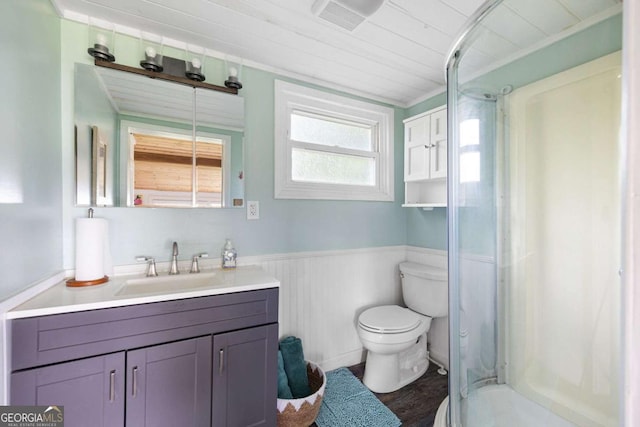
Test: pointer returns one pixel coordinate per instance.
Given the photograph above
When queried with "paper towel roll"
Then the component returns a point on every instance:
(91, 248)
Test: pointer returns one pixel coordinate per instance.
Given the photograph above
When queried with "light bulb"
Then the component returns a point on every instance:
(101, 39)
(196, 63)
(99, 45)
(233, 72)
(150, 52)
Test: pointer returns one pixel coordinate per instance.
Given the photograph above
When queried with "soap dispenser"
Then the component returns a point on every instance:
(229, 255)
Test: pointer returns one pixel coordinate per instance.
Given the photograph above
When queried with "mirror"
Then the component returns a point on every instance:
(143, 142)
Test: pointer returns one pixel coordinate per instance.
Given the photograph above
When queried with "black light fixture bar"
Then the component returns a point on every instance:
(165, 76)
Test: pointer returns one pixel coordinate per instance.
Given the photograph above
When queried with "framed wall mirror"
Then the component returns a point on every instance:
(143, 142)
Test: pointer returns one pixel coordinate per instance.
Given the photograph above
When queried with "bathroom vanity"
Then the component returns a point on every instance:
(199, 358)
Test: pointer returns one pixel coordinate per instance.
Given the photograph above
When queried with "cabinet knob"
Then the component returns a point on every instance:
(221, 364)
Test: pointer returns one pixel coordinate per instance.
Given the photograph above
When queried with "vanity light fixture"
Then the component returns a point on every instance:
(233, 81)
(101, 39)
(187, 69)
(169, 74)
(194, 70)
(152, 60)
(195, 65)
(152, 53)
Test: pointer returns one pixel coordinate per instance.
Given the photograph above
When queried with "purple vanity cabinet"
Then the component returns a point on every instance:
(91, 390)
(170, 384)
(243, 387)
(208, 361)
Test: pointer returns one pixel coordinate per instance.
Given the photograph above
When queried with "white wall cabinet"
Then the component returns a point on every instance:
(425, 159)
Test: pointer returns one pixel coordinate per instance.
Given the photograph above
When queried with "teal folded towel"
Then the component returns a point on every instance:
(284, 392)
(295, 366)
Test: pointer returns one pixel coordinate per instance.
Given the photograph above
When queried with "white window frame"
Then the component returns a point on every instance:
(290, 97)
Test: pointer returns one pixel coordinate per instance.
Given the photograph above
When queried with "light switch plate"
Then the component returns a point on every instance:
(253, 210)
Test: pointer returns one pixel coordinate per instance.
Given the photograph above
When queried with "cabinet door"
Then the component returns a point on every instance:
(170, 384)
(245, 377)
(416, 149)
(438, 145)
(91, 390)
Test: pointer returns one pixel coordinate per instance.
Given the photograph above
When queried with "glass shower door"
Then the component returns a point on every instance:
(534, 228)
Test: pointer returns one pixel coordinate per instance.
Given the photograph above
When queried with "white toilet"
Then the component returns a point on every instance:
(396, 337)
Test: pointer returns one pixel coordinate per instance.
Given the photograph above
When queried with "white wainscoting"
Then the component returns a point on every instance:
(323, 293)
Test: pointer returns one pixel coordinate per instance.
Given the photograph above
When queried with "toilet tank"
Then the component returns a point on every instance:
(425, 288)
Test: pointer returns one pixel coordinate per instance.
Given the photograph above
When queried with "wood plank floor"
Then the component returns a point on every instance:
(415, 404)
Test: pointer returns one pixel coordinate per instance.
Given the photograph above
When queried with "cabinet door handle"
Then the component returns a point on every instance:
(112, 385)
(221, 364)
(134, 381)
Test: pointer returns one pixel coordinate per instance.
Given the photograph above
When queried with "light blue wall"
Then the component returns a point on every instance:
(598, 40)
(284, 225)
(38, 239)
(429, 228)
(30, 164)
(427, 104)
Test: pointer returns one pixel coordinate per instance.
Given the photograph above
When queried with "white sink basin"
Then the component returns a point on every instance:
(169, 284)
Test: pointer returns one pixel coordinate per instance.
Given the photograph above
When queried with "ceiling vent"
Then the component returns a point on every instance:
(347, 14)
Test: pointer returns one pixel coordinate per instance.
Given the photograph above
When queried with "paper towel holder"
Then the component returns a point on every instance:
(73, 283)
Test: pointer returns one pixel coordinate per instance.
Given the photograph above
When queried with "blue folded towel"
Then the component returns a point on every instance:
(295, 366)
(284, 392)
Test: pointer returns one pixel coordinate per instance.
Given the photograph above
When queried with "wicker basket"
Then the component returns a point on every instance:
(303, 412)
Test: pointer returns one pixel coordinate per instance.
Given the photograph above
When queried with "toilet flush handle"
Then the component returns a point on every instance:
(402, 275)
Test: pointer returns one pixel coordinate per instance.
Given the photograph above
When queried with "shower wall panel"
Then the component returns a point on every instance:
(564, 227)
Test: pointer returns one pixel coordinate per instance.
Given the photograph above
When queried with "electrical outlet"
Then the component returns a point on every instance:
(253, 210)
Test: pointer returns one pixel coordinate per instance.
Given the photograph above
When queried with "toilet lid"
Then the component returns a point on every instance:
(389, 319)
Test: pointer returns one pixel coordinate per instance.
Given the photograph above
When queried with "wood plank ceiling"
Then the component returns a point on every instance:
(396, 55)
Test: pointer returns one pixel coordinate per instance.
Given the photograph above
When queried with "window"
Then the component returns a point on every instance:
(166, 168)
(331, 147)
(469, 151)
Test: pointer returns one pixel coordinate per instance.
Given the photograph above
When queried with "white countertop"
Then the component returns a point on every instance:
(137, 289)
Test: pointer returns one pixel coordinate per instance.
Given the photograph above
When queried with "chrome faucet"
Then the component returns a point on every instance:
(151, 265)
(174, 260)
(195, 268)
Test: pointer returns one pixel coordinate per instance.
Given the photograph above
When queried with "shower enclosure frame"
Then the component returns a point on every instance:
(451, 75)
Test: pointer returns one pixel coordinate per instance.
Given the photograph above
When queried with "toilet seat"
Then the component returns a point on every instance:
(389, 319)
